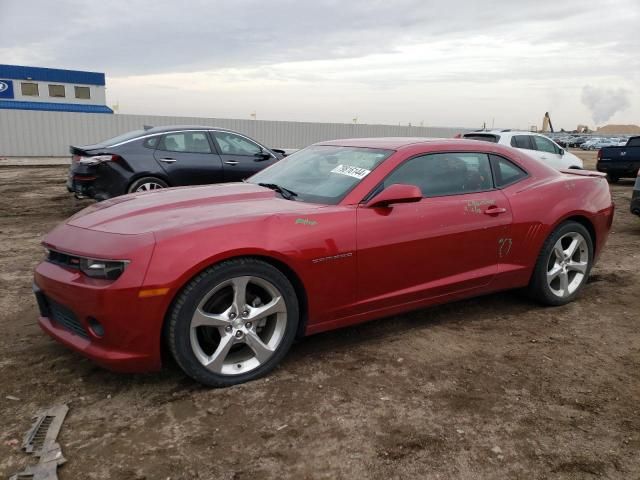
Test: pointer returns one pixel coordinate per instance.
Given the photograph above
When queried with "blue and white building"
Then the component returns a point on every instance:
(52, 89)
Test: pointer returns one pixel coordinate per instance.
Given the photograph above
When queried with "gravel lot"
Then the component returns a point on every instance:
(494, 387)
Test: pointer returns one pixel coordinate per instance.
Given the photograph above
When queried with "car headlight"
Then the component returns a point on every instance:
(105, 269)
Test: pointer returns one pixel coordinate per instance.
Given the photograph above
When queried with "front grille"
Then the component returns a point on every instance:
(66, 318)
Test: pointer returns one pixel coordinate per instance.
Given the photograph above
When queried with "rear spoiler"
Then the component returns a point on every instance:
(582, 173)
(76, 150)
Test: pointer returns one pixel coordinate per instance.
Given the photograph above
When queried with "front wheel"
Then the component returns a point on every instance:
(563, 265)
(146, 184)
(233, 323)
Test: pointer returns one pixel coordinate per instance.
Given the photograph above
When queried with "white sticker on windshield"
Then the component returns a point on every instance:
(355, 172)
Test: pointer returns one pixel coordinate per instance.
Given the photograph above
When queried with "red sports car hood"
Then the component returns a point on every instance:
(182, 208)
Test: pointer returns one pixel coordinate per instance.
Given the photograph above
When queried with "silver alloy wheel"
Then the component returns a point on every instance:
(567, 265)
(238, 325)
(148, 186)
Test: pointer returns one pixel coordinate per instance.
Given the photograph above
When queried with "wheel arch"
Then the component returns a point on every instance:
(287, 271)
(585, 222)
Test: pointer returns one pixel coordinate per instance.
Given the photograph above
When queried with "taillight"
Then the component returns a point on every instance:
(76, 158)
(599, 154)
(95, 160)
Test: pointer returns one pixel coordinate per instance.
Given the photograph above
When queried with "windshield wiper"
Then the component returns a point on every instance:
(285, 192)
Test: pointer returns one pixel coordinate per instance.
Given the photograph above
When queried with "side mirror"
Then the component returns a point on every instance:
(396, 193)
(262, 155)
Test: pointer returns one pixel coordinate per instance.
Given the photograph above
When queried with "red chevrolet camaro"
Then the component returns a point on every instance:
(226, 276)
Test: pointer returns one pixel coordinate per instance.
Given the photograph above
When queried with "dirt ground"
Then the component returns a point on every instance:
(494, 387)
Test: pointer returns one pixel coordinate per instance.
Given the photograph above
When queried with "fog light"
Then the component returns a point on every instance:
(95, 326)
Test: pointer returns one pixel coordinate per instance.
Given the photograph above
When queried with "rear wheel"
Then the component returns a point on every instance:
(563, 265)
(233, 323)
(146, 184)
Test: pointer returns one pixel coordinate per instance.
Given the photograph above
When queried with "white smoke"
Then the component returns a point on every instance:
(604, 102)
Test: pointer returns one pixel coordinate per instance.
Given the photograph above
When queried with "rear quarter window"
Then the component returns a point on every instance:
(152, 142)
(506, 172)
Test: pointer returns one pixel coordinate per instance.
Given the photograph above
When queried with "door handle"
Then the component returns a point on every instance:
(543, 157)
(231, 162)
(495, 210)
(168, 160)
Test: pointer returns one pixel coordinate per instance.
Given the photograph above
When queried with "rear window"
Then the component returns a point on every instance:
(485, 137)
(634, 142)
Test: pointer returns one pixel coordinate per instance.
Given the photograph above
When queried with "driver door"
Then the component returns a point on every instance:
(446, 243)
(241, 157)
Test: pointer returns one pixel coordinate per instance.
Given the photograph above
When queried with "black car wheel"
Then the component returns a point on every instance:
(233, 323)
(146, 184)
(612, 178)
(563, 265)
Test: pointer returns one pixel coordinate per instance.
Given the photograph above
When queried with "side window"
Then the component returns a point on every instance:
(522, 141)
(29, 89)
(506, 172)
(441, 174)
(232, 144)
(186, 142)
(544, 144)
(56, 91)
(83, 93)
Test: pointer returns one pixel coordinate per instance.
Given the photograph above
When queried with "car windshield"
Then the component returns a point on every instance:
(321, 173)
(122, 138)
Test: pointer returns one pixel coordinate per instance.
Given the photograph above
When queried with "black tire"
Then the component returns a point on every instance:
(180, 318)
(539, 288)
(147, 180)
(612, 178)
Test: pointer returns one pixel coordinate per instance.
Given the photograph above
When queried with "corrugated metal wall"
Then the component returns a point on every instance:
(49, 134)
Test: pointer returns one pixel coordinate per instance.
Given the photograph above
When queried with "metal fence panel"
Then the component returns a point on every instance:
(25, 133)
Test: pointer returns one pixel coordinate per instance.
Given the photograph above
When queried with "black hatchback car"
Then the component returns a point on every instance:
(165, 157)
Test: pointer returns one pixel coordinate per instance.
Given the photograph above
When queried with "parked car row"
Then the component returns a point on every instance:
(598, 143)
(587, 142)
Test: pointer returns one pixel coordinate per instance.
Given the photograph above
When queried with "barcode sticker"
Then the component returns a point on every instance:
(355, 172)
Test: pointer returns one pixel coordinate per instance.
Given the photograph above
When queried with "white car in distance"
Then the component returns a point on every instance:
(534, 144)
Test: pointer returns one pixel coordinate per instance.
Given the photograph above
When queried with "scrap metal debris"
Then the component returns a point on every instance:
(41, 442)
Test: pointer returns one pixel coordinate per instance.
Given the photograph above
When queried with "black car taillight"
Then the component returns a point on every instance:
(97, 159)
(599, 154)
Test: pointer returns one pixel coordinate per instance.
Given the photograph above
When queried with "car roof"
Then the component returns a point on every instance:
(505, 132)
(389, 143)
(171, 128)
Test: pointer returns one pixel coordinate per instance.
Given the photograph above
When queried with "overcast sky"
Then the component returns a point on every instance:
(443, 63)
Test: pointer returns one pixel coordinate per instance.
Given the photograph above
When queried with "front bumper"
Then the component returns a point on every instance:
(71, 304)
